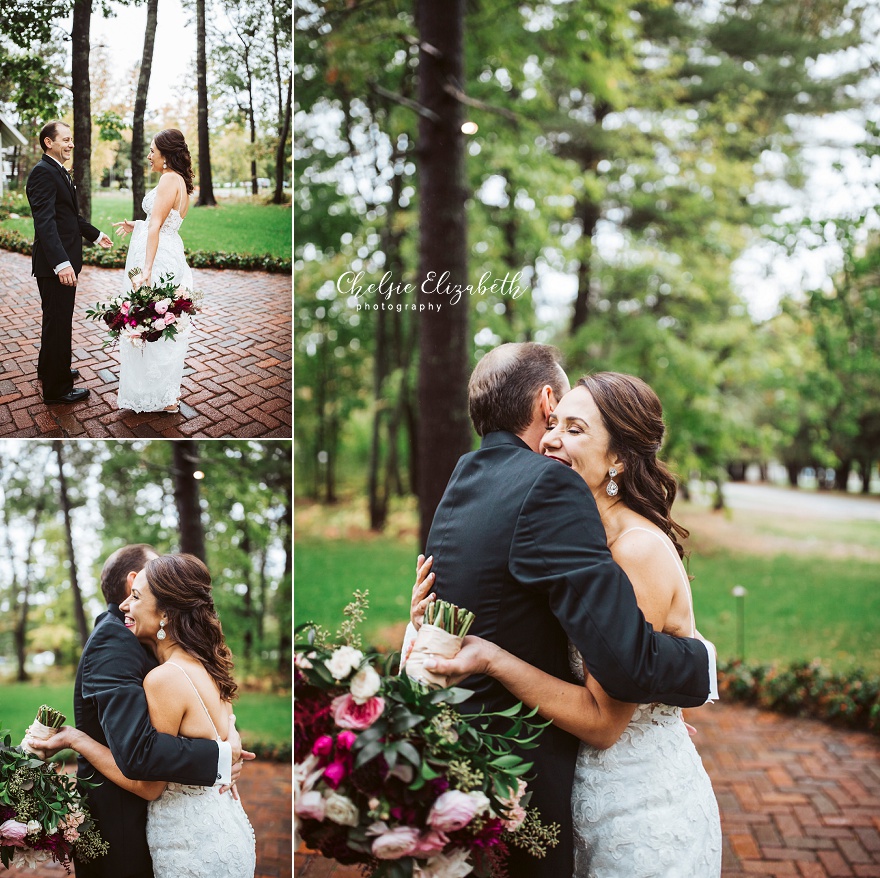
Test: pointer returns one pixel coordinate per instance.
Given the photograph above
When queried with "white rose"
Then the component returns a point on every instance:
(343, 661)
(306, 774)
(365, 684)
(341, 810)
(481, 800)
(452, 865)
(33, 828)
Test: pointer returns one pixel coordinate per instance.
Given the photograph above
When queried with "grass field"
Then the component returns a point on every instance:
(259, 717)
(797, 606)
(236, 225)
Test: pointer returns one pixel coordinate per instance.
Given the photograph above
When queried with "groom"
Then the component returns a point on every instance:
(110, 706)
(57, 259)
(518, 540)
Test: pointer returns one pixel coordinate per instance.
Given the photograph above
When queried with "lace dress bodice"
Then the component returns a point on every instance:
(150, 376)
(644, 808)
(197, 832)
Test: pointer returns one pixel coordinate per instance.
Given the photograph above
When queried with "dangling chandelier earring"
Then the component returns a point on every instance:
(611, 488)
(161, 635)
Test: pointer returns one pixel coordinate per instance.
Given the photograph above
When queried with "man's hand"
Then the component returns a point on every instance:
(67, 276)
(238, 756)
(104, 241)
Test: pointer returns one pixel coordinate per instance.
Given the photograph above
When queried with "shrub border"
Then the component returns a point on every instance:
(806, 689)
(17, 243)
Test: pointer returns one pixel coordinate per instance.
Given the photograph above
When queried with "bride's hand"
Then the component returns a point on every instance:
(124, 227)
(420, 597)
(475, 657)
(143, 280)
(63, 739)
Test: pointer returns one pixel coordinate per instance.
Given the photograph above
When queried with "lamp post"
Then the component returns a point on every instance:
(740, 594)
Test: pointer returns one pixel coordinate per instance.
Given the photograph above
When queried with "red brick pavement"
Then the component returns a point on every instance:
(237, 380)
(266, 795)
(798, 797)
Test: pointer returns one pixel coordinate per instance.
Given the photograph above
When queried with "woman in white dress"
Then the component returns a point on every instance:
(641, 801)
(150, 375)
(194, 831)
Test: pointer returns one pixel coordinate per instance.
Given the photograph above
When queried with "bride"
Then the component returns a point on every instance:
(150, 376)
(191, 830)
(642, 804)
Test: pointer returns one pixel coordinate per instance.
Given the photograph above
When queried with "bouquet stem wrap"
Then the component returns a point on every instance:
(431, 641)
(40, 730)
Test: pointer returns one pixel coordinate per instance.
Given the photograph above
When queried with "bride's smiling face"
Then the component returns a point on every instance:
(576, 436)
(154, 157)
(141, 614)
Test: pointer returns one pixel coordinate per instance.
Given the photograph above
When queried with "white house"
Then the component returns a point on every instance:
(9, 137)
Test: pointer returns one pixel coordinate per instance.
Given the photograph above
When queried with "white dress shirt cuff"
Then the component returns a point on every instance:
(713, 672)
(60, 268)
(224, 763)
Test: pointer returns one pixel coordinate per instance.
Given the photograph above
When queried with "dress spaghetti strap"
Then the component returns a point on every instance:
(681, 569)
(179, 668)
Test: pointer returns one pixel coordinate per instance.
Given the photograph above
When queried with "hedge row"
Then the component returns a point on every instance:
(805, 689)
(11, 240)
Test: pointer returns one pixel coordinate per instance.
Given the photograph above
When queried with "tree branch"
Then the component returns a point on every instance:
(405, 102)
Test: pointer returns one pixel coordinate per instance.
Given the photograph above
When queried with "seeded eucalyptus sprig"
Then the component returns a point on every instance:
(50, 717)
(449, 617)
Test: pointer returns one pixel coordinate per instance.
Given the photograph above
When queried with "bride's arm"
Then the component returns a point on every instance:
(166, 195)
(101, 758)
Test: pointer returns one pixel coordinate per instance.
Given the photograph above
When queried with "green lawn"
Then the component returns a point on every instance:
(237, 225)
(259, 717)
(796, 607)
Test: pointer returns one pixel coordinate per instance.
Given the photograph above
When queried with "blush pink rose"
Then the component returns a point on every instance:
(13, 833)
(396, 843)
(309, 806)
(348, 714)
(431, 842)
(452, 811)
(170, 318)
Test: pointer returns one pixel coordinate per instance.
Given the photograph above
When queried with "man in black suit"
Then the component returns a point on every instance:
(110, 706)
(517, 539)
(57, 259)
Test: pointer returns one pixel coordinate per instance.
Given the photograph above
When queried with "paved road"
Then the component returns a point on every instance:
(266, 792)
(237, 381)
(797, 797)
(799, 503)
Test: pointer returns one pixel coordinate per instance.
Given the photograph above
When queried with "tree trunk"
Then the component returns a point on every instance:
(793, 471)
(444, 429)
(186, 498)
(248, 597)
(283, 134)
(866, 467)
(841, 475)
(285, 591)
(589, 214)
(20, 632)
(206, 186)
(138, 186)
(82, 105)
(78, 609)
(255, 188)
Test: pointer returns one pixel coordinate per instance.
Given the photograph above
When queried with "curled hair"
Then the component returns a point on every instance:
(172, 145)
(633, 417)
(181, 585)
(114, 573)
(505, 385)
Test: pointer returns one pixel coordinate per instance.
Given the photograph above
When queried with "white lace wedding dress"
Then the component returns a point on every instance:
(149, 376)
(196, 832)
(644, 808)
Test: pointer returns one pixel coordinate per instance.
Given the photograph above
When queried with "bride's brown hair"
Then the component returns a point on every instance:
(172, 145)
(633, 416)
(181, 585)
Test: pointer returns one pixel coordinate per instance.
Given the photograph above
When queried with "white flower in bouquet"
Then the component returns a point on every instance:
(306, 774)
(340, 809)
(310, 806)
(452, 865)
(343, 661)
(481, 802)
(365, 684)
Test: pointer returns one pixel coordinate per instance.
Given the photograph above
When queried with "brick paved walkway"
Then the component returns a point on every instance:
(265, 793)
(797, 797)
(237, 380)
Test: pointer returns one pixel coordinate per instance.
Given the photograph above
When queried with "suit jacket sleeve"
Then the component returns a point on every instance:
(113, 674)
(87, 230)
(42, 191)
(559, 546)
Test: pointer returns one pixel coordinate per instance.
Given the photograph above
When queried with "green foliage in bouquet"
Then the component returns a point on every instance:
(42, 815)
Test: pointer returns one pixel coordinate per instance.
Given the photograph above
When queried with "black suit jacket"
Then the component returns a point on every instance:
(58, 226)
(517, 539)
(109, 705)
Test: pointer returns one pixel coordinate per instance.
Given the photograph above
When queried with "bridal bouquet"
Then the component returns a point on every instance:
(42, 815)
(149, 313)
(388, 774)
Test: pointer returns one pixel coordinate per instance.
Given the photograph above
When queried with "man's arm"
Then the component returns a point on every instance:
(559, 546)
(41, 192)
(112, 676)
